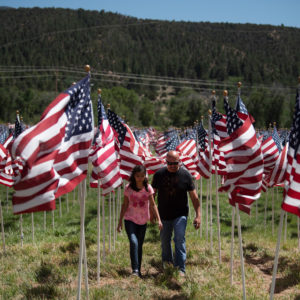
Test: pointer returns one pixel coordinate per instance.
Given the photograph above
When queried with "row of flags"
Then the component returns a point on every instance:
(50, 158)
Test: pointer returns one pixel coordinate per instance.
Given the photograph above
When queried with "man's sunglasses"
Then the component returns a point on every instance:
(175, 163)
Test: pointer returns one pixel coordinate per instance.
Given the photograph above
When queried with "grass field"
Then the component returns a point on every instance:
(47, 268)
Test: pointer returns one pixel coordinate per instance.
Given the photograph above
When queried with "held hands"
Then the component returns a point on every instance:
(160, 225)
(197, 222)
(120, 227)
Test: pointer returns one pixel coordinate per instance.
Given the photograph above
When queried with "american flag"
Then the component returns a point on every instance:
(240, 106)
(277, 175)
(131, 153)
(244, 161)
(104, 156)
(276, 138)
(54, 152)
(18, 127)
(218, 122)
(291, 202)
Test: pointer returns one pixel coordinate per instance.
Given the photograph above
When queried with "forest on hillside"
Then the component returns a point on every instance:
(166, 70)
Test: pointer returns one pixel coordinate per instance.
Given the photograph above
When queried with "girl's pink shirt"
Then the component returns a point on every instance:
(138, 208)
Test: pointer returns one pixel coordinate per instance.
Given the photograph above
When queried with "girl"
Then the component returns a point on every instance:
(138, 195)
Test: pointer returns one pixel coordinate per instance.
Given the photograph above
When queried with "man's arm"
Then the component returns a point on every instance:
(196, 205)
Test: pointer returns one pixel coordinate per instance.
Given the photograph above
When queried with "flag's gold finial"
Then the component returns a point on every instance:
(99, 91)
(225, 93)
(239, 84)
(73, 83)
(209, 112)
(87, 68)
(108, 106)
(274, 124)
(213, 92)
(17, 112)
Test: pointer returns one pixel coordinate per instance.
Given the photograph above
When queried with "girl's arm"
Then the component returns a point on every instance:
(154, 209)
(122, 213)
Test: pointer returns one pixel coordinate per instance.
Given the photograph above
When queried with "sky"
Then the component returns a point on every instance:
(274, 12)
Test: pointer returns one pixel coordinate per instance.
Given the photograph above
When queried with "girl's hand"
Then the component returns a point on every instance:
(120, 226)
(160, 225)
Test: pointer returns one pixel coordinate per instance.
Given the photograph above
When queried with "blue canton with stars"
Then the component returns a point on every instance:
(173, 142)
(233, 121)
(295, 131)
(240, 106)
(18, 127)
(79, 109)
(276, 139)
(201, 135)
(101, 111)
(116, 124)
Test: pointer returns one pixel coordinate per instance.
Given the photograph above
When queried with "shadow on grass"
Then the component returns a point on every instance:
(292, 277)
(175, 297)
(152, 235)
(42, 292)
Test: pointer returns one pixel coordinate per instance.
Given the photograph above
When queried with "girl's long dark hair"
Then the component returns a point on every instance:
(132, 182)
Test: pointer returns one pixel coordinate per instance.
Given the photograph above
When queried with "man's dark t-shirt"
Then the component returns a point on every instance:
(172, 191)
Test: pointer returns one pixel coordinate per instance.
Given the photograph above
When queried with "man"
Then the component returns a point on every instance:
(172, 184)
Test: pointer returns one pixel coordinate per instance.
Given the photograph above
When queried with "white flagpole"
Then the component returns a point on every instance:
(201, 185)
(98, 232)
(7, 199)
(266, 204)
(109, 229)
(210, 185)
(206, 214)
(218, 213)
(84, 248)
(2, 227)
(53, 227)
(67, 200)
(232, 244)
(241, 249)
(272, 210)
(81, 245)
(45, 220)
(103, 226)
(74, 196)
(21, 229)
(276, 255)
(32, 226)
(60, 212)
(298, 229)
(285, 227)
(114, 220)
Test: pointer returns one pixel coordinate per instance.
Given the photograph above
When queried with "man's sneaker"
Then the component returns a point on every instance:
(135, 273)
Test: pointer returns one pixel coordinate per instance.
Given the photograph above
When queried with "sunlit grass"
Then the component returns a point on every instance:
(47, 268)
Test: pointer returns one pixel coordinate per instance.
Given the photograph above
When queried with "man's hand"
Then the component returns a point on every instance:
(197, 222)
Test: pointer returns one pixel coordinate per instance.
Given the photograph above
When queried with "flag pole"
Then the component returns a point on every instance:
(21, 229)
(232, 244)
(32, 226)
(67, 200)
(2, 228)
(285, 227)
(298, 230)
(60, 212)
(272, 210)
(276, 255)
(103, 226)
(217, 195)
(241, 249)
(98, 232)
(201, 191)
(210, 184)
(114, 220)
(45, 220)
(7, 199)
(109, 224)
(53, 227)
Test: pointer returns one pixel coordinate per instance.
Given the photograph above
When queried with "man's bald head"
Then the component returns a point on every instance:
(173, 155)
(172, 159)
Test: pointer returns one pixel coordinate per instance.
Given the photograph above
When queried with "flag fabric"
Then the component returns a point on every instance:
(54, 152)
(244, 161)
(277, 174)
(270, 154)
(104, 156)
(291, 202)
(131, 153)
